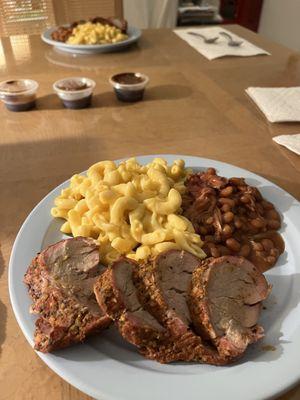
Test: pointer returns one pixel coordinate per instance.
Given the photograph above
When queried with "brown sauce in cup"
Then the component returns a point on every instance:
(128, 78)
(73, 86)
(129, 86)
(79, 103)
(17, 95)
(15, 86)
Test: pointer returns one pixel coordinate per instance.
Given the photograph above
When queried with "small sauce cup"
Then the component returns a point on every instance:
(129, 86)
(75, 93)
(18, 94)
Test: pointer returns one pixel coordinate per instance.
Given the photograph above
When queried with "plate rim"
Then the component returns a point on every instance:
(47, 357)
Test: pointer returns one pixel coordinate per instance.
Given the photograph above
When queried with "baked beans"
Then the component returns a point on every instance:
(233, 218)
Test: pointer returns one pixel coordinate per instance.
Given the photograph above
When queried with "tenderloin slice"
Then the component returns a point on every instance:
(120, 294)
(60, 282)
(153, 309)
(117, 296)
(165, 287)
(225, 303)
(112, 21)
(119, 23)
(172, 276)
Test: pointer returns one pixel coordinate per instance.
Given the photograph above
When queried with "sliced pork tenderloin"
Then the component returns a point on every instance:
(169, 287)
(152, 305)
(119, 292)
(225, 303)
(131, 295)
(117, 296)
(60, 282)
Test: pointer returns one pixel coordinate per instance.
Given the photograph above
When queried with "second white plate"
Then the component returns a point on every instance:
(133, 36)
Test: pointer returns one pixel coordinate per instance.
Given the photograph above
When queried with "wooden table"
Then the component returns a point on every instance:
(192, 106)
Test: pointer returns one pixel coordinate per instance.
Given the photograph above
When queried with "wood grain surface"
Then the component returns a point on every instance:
(192, 106)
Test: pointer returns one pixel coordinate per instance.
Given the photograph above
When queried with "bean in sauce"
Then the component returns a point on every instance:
(236, 218)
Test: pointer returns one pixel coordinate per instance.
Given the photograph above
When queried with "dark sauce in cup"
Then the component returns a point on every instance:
(14, 86)
(72, 86)
(75, 93)
(29, 105)
(19, 94)
(84, 102)
(128, 78)
(129, 86)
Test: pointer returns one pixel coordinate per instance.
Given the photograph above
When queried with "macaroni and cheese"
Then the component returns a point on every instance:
(131, 209)
(96, 33)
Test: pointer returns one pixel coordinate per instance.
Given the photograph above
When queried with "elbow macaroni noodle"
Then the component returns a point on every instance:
(96, 33)
(130, 209)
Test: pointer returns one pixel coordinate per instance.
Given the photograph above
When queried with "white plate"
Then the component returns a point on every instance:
(133, 36)
(106, 367)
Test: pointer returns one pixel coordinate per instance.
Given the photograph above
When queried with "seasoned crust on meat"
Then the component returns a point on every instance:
(175, 308)
(60, 282)
(169, 285)
(225, 303)
(117, 297)
(149, 305)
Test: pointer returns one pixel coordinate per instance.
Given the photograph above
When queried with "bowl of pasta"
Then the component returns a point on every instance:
(97, 35)
(101, 249)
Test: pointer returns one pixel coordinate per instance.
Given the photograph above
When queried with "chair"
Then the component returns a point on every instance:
(19, 17)
(72, 10)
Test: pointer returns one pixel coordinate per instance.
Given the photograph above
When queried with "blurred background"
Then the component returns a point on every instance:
(275, 19)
